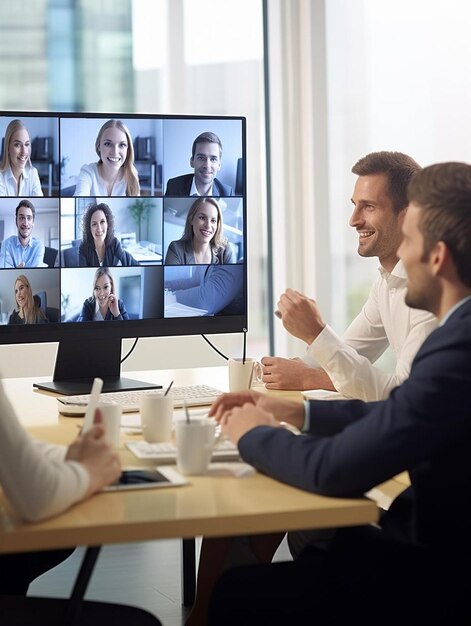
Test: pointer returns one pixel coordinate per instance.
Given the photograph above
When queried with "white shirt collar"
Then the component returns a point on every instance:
(194, 191)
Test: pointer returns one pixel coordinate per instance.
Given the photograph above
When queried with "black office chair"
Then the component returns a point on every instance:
(70, 257)
(40, 299)
(50, 256)
(32, 611)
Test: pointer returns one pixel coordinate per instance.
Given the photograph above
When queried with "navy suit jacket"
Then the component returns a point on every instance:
(424, 427)
(181, 186)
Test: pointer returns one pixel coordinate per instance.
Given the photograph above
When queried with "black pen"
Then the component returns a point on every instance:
(168, 388)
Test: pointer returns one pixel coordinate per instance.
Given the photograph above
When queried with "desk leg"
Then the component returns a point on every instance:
(188, 571)
(80, 587)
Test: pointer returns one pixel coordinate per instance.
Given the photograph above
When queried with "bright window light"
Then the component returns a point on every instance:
(212, 31)
(149, 34)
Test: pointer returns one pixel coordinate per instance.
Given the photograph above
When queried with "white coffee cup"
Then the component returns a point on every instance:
(156, 417)
(111, 415)
(242, 375)
(195, 442)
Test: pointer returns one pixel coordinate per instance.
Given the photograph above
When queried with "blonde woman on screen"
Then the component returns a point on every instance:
(202, 241)
(114, 174)
(18, 177)
(27, 310)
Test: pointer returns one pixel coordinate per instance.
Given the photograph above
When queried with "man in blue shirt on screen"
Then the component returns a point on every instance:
(206, 161)
(22, 250)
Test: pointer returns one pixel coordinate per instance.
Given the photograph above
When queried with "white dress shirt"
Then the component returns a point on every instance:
(384, 320)
(34, 475)
(194, 190)
(30, 185)
(90, 183)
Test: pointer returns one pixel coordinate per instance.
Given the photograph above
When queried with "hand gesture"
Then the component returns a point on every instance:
(300, 315)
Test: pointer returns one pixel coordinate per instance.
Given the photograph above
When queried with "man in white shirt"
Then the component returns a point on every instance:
(22, 250)
(345, 364)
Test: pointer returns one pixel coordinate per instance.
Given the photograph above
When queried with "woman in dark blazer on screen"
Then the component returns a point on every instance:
(103, 305)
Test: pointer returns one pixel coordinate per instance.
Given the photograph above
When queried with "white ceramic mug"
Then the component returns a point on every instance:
(111, 415)
(156, 417)
(195, 442)
(242, 375)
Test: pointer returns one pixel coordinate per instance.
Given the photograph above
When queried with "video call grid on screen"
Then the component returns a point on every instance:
(148, 283)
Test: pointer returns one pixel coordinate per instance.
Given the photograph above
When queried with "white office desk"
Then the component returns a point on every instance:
(208, 506)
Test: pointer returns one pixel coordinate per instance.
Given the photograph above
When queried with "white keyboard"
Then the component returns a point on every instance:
(165, 452)
(193, 395)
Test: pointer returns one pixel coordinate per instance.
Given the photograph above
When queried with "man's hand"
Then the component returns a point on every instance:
(237, 421)
(294, 374)
(97, 456)
(300, 315)
(281, 410)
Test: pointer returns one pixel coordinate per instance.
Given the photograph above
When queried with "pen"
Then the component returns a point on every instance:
(187, 413)
(92, 404)
(168, 388)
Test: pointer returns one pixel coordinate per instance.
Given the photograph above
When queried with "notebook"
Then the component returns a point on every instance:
(165, 452)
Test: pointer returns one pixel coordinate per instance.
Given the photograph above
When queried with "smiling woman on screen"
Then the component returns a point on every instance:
(114, 174)
(202, 241)
(18, 177)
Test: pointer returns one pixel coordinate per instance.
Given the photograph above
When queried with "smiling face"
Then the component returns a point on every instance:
(113, 148)
(206, 162)
(377, 225)
(98, 227)
(21, 294)
(19, 149)
(204, 223)
(25, 224)
(102, 290)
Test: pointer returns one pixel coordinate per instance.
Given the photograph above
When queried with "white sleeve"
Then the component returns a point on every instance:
(34, 475)
(84, 181)
(348, 360)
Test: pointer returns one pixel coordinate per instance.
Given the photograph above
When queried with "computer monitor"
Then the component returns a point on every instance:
(118, 226)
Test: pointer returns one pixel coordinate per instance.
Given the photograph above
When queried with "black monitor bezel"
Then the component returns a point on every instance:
(162, 327)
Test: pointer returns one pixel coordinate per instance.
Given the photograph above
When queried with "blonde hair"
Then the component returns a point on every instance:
(218, 241)
(12, 128)
(31, 311)
(129, 170)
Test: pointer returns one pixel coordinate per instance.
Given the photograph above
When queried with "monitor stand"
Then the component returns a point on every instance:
(79, 361)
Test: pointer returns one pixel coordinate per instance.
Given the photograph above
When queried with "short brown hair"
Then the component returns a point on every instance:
(399, 169)
(443, 192)
(206, 137)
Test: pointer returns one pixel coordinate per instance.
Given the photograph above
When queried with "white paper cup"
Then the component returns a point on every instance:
(156, 417)
(242, 375)
(195, 443)
(111, 414)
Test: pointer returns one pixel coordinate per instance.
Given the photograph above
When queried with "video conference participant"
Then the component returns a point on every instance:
(347, 362)
(99, 245)
(22, 250)
(27, 310)
(205, 160)
(18, 177)
(103, 305)
(202, 241)
(115, 173)
(349, 447)
(217, 289)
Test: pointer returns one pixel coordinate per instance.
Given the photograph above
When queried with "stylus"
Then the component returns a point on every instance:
(92, 404)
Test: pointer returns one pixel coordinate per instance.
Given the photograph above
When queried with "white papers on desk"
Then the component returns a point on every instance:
(322, 394)
(172, 308)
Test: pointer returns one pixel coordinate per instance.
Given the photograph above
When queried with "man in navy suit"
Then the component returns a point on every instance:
(205, 159)
(413, 567)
